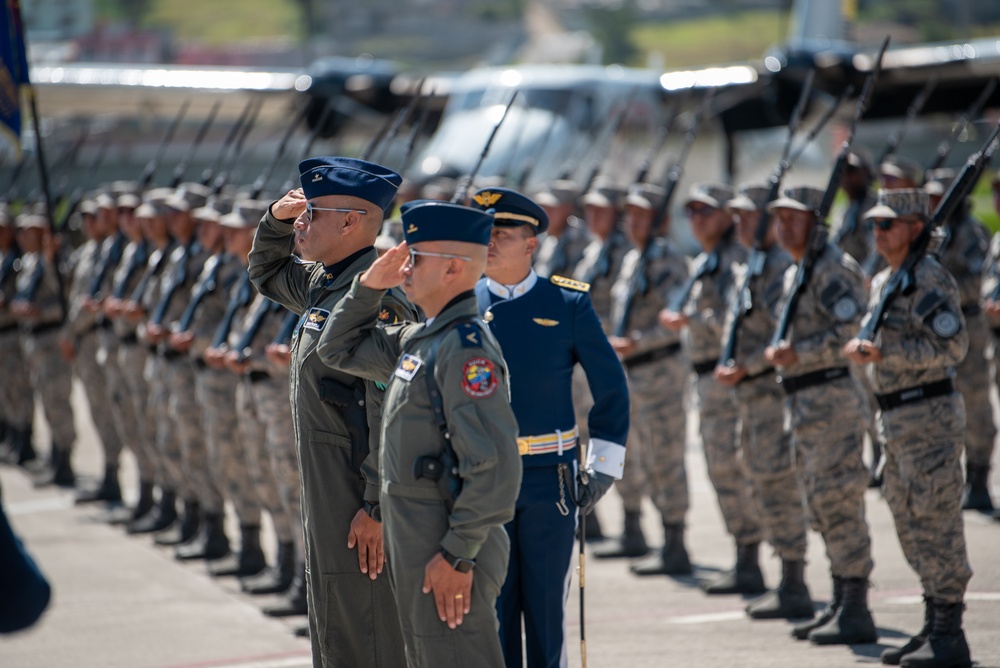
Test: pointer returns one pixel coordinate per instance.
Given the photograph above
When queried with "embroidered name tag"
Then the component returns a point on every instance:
(408, 367)
(315, 319)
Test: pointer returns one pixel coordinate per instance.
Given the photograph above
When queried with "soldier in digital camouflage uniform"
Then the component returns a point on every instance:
(561, 248)
(826, 408)
(764, 443)
(38, 306)
(700, 317)
(651, 272)
(16, 392)
(911, 362)
(962, 246)
(990, 295)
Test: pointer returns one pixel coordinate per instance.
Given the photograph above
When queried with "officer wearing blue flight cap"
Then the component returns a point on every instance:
(450, 465)
(546, 326)
(334, 219)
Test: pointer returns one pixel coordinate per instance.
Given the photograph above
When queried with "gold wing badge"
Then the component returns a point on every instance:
(487, 199)
(545, 322)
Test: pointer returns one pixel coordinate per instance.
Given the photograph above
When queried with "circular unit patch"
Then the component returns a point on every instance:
(845, 309)
(479, 378)
(946, 324)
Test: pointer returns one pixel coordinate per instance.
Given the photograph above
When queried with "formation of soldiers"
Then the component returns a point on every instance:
(779, 330)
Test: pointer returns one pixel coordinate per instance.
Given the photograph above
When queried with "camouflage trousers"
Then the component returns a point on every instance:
(253, 431)
(52, 380)
(17, 401)
(185, 412)
(133, 359)
(216, 392)
(718, 413)
(923, 488)
(90, 371)
(767, 459)
(656, 439)
(270, 398)
(123, 406)
(870, 408)
(827, 427)
(972, 379)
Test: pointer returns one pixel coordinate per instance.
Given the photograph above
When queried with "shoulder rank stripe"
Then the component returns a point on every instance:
(570, 284)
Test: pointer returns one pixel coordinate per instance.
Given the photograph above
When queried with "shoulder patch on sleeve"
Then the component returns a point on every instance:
(470, 335)
(570, 284)
(930, 302)
(946, 324)
(479, 378)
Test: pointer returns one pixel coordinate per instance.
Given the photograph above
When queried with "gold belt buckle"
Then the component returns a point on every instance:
(523, 447)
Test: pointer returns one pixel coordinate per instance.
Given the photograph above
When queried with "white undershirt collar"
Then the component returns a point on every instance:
(512, 291)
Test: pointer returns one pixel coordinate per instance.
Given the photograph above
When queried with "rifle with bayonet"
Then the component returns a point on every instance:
(820, 124)
(181, 169)
(261, 182)
(242, 348)
(404, 116)
(916, 106)
(816, 242)
(416, 130)
(462, 191)
(968, 116)
(234, 131)
(152, 165)
(598, 162)
(662, 133)
(532, 160)
(77, 197)
(222, 179)
(743, 300)
(307, 147)
(903, 280)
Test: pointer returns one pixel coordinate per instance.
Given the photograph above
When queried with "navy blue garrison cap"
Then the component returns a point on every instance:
(331, 175)
(431, 220)
(511, 209)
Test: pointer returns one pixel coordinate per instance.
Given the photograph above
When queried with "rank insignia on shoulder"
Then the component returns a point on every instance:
(570, 284)
(315, 319)
(469, 333)
(408, 367)
(545, 322)
(479, 378)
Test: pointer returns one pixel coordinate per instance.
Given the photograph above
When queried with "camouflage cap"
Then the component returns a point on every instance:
(88, 207)
(603, 194)
(123, 188)
(713, 194)
(128, 201)
(902, 168)
(645, 196)
(799, 198)
(859, 159)
(106, 201)
(189, 196)
(937, 181)
(750, 197)
(561, 191)
(898, 203)
(245, 214)
(26, 221)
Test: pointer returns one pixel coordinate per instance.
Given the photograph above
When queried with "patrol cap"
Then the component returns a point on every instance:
(712, 194)
(28, 220)
(146, 210)
(937, 181)
(117, 188)
(105, 201)
(604, 195)
(5, 215)
(645, 196)
(859, 159)
(561, 191)
(246, 213)
(898, 203)
(430, 220)
(750, 197)
(332, 175)
(511, 209)
(799, 198)
(189, 196)
(87, 207)
(128, 201)
(156, 199)
(215, 208)
(901, 168)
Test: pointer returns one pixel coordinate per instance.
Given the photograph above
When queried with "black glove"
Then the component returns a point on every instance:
(591, 487)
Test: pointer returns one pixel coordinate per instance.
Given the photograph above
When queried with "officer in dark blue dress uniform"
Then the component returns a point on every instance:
(545, 327)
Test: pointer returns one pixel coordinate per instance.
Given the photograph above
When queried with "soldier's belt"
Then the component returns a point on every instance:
(8, 328)
(971, 310)
(169, 354)
(913, 394)
(258, 376)
(813, 378)
(653, 355)
(42, 328)
(129, 338)
(547, 443)
(708, 366)
(752, 377)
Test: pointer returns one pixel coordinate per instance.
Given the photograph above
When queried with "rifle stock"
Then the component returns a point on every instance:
(916, 106)
(153, 165)
(462, 191)
(969, 115)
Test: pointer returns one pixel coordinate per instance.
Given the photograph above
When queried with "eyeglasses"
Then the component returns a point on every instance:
(415, 253)
(310, 208)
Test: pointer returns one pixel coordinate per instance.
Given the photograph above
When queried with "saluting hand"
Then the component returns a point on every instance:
(366, 533)
(452, 590)
(860, 351)
(290, 206)
(387, 271)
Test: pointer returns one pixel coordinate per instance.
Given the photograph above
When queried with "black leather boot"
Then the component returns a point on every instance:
(210, 542)
(594, 533)
(109, 490)
(671, 560)
(801, 631)
(745, 578)
(976, 495)
(159, 518)
(892, 656)
(293, 602)
(58, 471)
(249, 561)
(946, 646)
(23, 443)
(853, 623)
(631, 544)
(274, 579)
(791, 600)
(185, 531)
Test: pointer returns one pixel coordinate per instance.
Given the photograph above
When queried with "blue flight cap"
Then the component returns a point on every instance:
(431, 220)
(511, 209)
(331, 175)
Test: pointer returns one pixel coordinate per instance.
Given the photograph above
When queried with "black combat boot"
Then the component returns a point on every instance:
(791, 600)
(109, 490)
(976, 495)
(631, 544)
(145, 503)
(57, 472)
(210, 542)
(945, 647)
(745, 578)
(801, 631)
(593, 531)
(185, 531)
(671, 560)
(893, 655)
(24, 444)
(294, 601)
(274, 579)
(249, 561)
(159, 518)
(853, 623)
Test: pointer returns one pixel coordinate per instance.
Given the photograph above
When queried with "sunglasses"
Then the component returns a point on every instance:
(885, 224)
(310, 208)
(414, 254)
(700, 210)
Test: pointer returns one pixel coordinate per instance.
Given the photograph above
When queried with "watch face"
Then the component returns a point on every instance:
(463, 565)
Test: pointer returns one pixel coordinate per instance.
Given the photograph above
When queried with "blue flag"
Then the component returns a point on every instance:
(13, 71)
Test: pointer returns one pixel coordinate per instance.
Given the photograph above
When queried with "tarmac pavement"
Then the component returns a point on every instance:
(121, 602)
